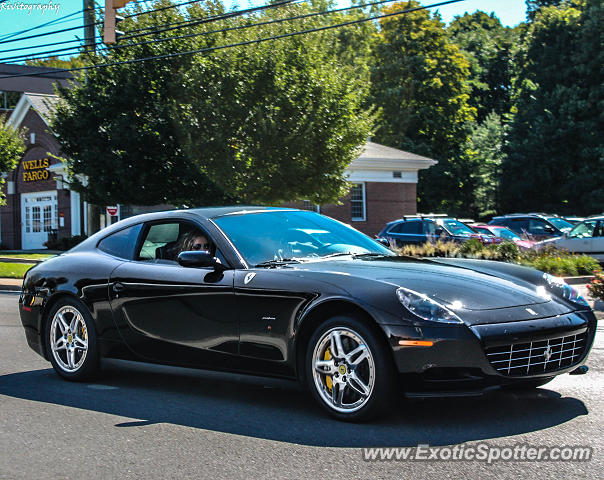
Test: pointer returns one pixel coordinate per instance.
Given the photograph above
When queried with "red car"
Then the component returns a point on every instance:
(503, 233)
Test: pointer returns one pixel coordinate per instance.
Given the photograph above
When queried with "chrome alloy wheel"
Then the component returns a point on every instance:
(68, 338)
(343, 370)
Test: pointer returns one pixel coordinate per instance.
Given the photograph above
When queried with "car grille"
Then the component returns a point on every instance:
(532, 358)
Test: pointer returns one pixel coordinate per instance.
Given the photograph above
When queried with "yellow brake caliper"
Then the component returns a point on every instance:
(328, 380)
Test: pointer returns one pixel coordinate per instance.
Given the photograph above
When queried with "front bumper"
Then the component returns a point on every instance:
(458, 358)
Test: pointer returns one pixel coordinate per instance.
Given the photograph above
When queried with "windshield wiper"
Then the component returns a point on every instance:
(370, 255)
(277, 263)
(338, 254)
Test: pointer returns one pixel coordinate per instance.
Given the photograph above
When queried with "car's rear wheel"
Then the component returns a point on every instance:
(71, 340)
(349, 371)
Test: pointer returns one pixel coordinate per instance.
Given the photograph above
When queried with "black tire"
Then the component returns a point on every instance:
(380, 396)
(85, 360)
(523, 385)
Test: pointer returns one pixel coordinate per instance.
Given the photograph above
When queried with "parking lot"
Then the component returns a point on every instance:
(142, 421)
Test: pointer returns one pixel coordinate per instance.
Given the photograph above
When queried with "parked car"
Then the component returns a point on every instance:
(587, 237)
(240, 289)
(504, 234)
(418, 229)
(535, 226)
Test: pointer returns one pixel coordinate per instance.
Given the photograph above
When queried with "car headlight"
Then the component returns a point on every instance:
(425, 308)
(564, 290)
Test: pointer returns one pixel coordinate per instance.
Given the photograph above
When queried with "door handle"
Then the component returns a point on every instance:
(118, 287)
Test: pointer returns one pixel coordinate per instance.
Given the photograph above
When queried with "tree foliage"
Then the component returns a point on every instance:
(484, 154)
(556, 157)
(264, 123)
(12, 146)
(419, 81)
(489, 47)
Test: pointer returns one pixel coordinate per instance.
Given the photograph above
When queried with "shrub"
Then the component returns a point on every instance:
(550, 260)
(508, 251)
(472, 247)
(596, 286)
(64, 243)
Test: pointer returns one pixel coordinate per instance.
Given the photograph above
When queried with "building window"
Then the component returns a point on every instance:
(311, 207)
(357, 202)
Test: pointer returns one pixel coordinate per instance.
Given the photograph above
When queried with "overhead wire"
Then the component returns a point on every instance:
(222, 30)
(239, 44)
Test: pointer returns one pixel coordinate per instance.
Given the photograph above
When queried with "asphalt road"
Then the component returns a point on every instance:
(139, 421)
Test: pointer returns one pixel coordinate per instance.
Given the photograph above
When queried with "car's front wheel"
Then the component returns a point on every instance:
(71, 340)
(349, 370)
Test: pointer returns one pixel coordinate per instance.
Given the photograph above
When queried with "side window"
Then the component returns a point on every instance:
(585, 230)
(519, 225)
(537, 227)
(407, 227)
(429, 228)
(163, 242)
(121, 244)
(412, 228)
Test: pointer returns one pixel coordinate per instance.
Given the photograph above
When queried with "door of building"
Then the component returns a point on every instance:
(39, 212)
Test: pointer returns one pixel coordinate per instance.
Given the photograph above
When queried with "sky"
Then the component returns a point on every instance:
(19, 15)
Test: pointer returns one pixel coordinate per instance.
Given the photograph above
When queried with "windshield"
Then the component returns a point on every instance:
(506, 233)
(276, 235)
(455, 227)
(560, 224)
(584, 230)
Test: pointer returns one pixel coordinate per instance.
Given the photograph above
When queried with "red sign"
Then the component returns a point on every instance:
(112, 211)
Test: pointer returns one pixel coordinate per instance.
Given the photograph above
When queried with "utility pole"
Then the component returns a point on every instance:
(89, 40)
(92, 211)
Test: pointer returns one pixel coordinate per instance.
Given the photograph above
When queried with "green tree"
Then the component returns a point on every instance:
(419, 81)
(556, 157)
(533, 6)
(269, 122)
(488, 45)
(56, 62)
(12, 146)
(484, 152)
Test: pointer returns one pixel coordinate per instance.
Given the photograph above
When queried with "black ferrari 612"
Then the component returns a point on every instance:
(290, 293)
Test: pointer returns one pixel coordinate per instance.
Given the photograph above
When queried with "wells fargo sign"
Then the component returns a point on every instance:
(34, 170)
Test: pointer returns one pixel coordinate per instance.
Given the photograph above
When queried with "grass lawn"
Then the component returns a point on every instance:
(28, 256)
(14, 270)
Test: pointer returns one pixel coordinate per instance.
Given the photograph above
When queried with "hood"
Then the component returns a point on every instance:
(475, 290)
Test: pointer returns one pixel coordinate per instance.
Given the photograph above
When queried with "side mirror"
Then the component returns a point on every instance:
(383, 241)
(438, 232)
(199, 258)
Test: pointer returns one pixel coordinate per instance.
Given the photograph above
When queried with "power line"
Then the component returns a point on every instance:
(95, 24)
(233, 45)
(190, 23)
(56, 21)
(223, 30)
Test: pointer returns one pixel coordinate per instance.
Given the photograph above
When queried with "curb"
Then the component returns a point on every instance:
(19, 260)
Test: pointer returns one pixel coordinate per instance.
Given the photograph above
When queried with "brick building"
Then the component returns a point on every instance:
(38, 200)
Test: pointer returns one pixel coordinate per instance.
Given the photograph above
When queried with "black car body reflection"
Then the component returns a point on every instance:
(294, 294)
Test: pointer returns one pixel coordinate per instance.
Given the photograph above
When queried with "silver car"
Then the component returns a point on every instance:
(586, 237)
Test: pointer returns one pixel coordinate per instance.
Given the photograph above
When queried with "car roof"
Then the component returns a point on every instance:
(214, 212)
(206, 212)
(530, 215)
